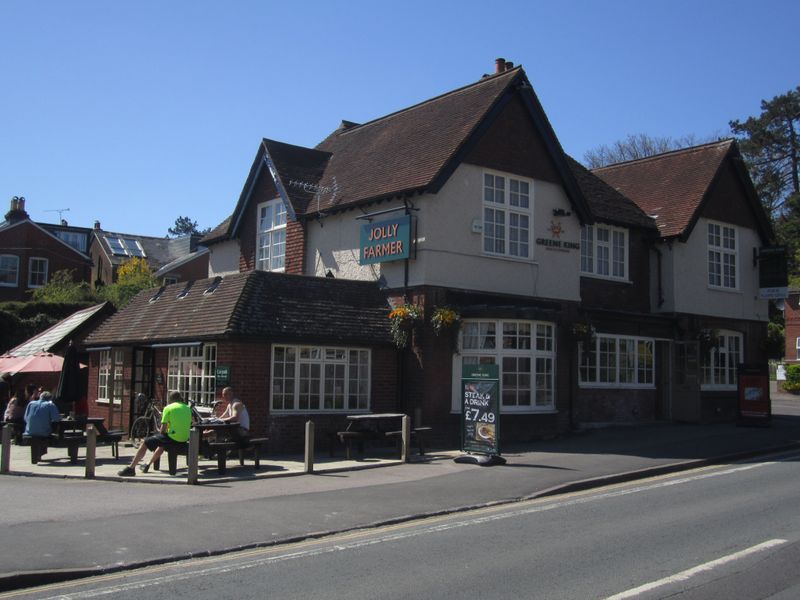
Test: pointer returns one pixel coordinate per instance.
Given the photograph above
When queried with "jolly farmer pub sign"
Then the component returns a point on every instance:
(386, 240)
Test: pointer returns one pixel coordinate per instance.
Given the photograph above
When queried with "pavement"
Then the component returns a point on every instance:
(56, 525)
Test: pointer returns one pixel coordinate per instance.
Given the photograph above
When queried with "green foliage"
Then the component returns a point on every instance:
(774, 344)
(133, 276)
(62, 288)
(792, 383)
(185, 226)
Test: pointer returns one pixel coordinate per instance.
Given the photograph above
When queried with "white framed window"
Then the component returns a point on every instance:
(718, 366)
(191, 371)
(320, 379)
(507, 216)
(125, 246)
(722, 250)
(604, 251)
(118, 381)
(9, 270)
(525, 354)
(103, 376)
(271, 236)
(797, 347)
(37, 272)
(618, 362)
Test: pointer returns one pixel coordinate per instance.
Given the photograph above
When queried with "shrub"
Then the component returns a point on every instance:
(792, 383)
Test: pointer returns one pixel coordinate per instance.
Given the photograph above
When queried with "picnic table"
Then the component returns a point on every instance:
(366, 427)
(70, 433)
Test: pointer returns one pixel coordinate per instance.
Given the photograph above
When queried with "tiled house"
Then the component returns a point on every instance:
(566, 279)
(31, 252)
(172, 259)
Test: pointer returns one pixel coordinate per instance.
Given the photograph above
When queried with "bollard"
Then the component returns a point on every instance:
(309, 462)
(193, 457)
(91, 450)
(5, 454)
(406, 438)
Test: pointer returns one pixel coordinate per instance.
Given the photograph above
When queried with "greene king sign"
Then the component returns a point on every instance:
(385, 241)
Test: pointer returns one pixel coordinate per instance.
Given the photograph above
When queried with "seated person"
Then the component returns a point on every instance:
(40, 414)
(176, 421)
(236, 412)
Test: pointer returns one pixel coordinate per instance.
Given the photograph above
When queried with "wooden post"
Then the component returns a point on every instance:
(194, 455)
(309, 462)
(5, 454)
(406, 438)
(91, 450)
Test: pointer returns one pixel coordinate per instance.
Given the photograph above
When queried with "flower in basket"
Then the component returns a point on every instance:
(709, 339)
(584, 333)
(403, 318)
(444, 318)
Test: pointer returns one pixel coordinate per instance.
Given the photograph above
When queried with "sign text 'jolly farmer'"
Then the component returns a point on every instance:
(385, 241)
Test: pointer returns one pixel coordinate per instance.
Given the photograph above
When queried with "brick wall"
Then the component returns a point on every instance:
(295, 247)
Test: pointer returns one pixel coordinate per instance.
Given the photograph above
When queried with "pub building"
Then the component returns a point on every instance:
(624, 295)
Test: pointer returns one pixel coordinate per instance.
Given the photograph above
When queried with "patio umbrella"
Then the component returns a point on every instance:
(43, 362)
(72, 383)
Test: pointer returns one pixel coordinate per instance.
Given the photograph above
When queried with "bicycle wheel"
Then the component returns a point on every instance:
(139, 430)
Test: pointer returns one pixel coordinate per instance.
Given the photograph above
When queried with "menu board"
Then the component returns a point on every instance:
(480, 410)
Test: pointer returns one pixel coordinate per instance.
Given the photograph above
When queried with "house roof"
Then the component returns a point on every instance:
(410, 151)
(672, 187)
(6, 226)
(608, 204)
(158, 251)
(255, 304)
(57, 335)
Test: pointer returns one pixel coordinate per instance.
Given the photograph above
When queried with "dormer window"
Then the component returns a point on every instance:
(213, 287)
(271, 236)
(604, 251)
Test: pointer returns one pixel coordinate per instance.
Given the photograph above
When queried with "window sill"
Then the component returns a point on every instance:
(9, 285)
(714, 288)
(516, 259)
(616, 386)
(508, 411)
(623, 280)
(329, 411)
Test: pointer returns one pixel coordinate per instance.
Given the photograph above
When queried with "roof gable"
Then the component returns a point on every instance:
(6, 226)
(675, 186)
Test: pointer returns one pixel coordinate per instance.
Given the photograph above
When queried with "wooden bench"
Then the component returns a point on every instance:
(39, 445)
(417, 433)
(173, 452)
(221, 450)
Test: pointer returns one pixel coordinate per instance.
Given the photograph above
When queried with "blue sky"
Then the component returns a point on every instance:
(136, 113)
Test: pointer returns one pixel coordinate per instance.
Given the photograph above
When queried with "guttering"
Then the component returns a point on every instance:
(98, 348)
(176, 344)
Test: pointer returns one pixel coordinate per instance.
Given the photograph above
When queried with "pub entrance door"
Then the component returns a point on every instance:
(142, 379)
(686, 382)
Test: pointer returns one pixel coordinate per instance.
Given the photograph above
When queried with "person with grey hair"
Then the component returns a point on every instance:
(40, 414)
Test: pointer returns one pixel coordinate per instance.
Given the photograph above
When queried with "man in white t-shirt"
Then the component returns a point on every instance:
(236, 412)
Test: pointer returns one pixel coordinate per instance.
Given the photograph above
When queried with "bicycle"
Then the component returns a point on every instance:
(147, 424)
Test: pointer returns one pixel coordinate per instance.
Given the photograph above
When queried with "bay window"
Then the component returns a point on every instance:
(271, 236)
(718, 366)
(191, 371)
(722, 269)
(507, 219)
(320, 378)
(617, 361)
(525, 354)
(604, 251)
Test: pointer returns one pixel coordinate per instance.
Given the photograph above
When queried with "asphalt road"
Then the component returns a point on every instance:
(729, 531)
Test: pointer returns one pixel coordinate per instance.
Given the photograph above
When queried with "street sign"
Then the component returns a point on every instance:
(480, 410)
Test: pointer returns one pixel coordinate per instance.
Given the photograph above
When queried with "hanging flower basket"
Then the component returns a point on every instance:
(445, 319)
(404, 318)
(584, 333)
(709, 339)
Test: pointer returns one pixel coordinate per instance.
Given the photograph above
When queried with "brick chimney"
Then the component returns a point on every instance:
(16, 211)
(97, 224)
(500, 65)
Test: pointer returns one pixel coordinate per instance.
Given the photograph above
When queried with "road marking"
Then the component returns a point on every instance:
(689, 573)
(367, 537)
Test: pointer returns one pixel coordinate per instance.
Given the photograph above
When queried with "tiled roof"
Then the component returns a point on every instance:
(406, 150)
(606, 203)
(255, 304)
(49, 339)
(218, 233)
(158, 250)
(669, 187)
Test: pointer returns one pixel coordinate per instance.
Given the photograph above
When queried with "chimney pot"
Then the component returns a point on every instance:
(97, 224)
(509, 65)
(499, 65)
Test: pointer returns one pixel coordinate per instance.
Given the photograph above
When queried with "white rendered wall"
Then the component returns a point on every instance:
(450, 254)
(685, 278)
(223, 258)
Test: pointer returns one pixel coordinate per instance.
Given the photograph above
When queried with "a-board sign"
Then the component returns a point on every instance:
(480, 409)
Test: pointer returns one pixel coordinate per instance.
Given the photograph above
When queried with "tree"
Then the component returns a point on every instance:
(133, 276)
(634, 147)
(185, 226)
(771, 149)
(63, 289)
